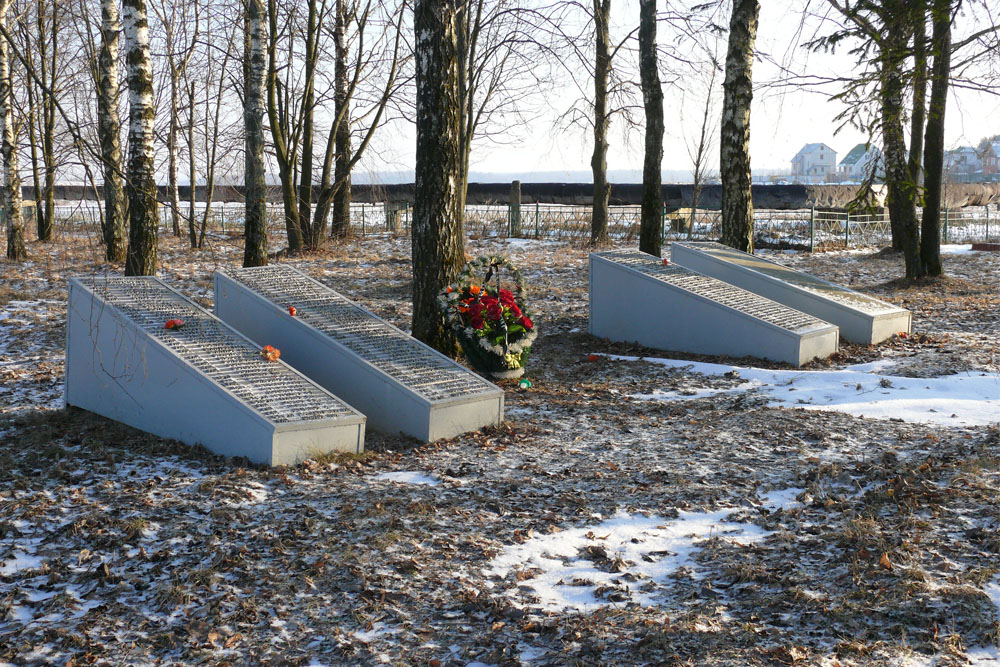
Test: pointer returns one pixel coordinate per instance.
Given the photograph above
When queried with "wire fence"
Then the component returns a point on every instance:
(805, 229)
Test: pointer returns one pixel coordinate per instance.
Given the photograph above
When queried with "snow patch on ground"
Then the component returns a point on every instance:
(407, 477)
(619, 560)
(963, 399)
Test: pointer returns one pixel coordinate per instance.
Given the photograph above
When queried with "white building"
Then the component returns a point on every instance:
(814, 163)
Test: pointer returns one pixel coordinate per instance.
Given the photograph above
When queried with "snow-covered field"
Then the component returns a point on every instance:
(640, 506)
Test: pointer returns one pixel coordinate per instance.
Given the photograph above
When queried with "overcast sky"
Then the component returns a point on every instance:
(782, 118)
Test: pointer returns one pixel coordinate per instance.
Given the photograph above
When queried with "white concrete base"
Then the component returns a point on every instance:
(861, 318)
(634, 297)
(202, 384)
(402, 385)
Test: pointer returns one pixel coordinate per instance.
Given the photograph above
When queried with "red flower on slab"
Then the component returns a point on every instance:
(270, 353)
(173, 324)
(526, 322)
(494, 311)
(476, 322)
(292, 311)
(902, 334)
(506, 298)
(592, 357)
(514, 310)
(666, 262)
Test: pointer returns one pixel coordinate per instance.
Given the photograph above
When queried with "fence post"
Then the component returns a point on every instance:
(946, 226)
(514, 209)
(363, 230)
(536, 221)
(223, 218)
(663, 222)
(812, 229)
(407, 225)
(847, 231)
(987, 239)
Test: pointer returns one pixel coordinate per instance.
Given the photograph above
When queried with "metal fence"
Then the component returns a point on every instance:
(806, 229)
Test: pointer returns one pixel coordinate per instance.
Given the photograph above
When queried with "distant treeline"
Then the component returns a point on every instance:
(580, 194)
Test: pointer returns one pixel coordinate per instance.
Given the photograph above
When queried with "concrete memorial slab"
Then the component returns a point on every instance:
(200, 383)
(402, 385)
(861, 318)
(635, 297)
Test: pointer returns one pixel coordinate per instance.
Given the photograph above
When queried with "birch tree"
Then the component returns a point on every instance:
(109, 134)
(651, 220)
(255, 225)
(11, 195)
(734, 138)
(140, 184)
(437, 240)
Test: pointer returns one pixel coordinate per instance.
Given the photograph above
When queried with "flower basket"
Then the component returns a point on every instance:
(490, 322)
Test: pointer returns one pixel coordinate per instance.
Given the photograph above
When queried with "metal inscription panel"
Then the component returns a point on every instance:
(274, 390)
(716, 290)
(388, 349)
(862, 302)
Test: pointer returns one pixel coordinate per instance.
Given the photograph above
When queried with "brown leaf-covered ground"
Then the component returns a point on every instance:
(117, 547)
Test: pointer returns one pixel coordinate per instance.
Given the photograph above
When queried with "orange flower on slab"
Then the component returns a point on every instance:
(292, 311)
(592, 357)
(270, 353)
(475, 290)
(173, 324)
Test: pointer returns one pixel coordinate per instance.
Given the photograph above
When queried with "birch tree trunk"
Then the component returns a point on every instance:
(341, 224)
(255, 225)
(11, 195)
(930, 239)
(140, 185)
(651, 223)
(599, 158)
(734, 139)
(437, 240)
(109, 134)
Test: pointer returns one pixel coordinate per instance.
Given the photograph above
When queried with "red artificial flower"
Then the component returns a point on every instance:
(902, 334)
(173, 324)
(506, 298)
(292, 311)
(488, 300)
(270, 353)
(494, 311)
(526, 322)
(666, 262)
(515, 311)
(476, 309)
(592, 357)
(476, 322)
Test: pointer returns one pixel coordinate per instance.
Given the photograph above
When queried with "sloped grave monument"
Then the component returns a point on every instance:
(861, 318)
(636, 297)
(198, 381)
(402, 385)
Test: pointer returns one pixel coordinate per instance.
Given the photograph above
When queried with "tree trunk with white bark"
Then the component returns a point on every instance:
(140, 183)
(734, 139)
(11, 194)
(255, 225)
(109, 134)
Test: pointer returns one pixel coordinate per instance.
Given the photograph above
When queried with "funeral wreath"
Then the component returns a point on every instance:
(485, 309)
